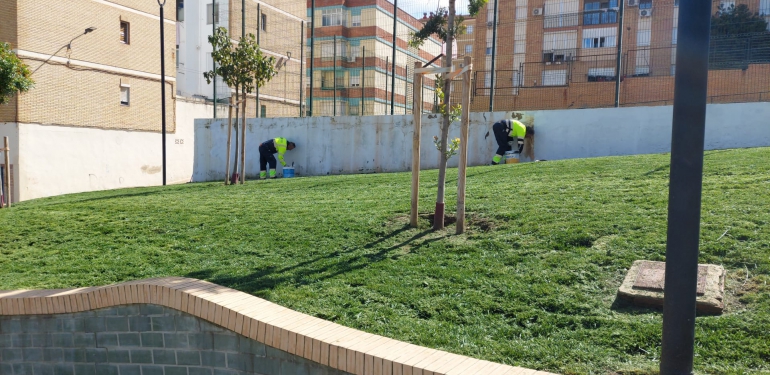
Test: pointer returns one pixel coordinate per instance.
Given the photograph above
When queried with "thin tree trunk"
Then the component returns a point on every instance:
(229, 137)
(243, 141)
(237, 135)
(438, 216)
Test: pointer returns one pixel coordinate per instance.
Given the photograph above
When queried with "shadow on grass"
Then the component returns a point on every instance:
(314, 270)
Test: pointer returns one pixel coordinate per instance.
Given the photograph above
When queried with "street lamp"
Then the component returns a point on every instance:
(161, 3)
(68, 45)
(88, 30)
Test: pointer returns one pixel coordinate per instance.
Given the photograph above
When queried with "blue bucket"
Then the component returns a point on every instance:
(288, 172)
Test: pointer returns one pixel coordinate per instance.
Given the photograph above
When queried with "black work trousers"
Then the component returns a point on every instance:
(266, 151)
(502, 136)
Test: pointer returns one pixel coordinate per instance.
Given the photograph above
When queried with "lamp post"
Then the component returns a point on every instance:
(68, 45)
(161, 3)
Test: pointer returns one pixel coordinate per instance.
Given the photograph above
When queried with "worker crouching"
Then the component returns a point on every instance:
(509, 133)
(267, 149)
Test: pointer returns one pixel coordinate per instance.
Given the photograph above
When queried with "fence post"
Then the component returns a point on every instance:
(312, 54)
(619, 54)
(301, 70)
(417, 115)
(462, 167)
(334, 78)
(393, 64)
(494, 52)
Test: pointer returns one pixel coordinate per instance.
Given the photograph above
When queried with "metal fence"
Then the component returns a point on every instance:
(555, 54)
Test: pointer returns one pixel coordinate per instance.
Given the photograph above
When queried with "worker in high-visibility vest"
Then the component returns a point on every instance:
(508, 131)
(267, 149)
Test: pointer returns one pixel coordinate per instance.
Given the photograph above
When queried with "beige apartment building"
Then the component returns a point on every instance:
(96, 64)
(554, 54)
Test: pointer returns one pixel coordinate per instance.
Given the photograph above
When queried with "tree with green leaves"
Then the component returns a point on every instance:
(739, 37)
(15, 76)
(243, 67)
(733, 20)
(446, 25)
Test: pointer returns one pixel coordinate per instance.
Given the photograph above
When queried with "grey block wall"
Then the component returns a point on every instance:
(141, 339)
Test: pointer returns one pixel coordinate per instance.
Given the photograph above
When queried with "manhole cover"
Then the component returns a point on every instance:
(652, 276)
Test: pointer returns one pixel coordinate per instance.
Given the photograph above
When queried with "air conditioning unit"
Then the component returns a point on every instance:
(570, 58)
(645, 12)
(537, 12)
(351, 58)
(490, 23)
(633, 3)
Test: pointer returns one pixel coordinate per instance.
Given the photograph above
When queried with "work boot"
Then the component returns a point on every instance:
(272, 173)
(262, 175)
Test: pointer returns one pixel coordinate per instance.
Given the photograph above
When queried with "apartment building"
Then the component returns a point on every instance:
(353, 67)
(95, 64)
(553, 54)
(278, 26)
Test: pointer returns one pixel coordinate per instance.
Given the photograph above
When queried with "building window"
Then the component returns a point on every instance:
(489, 50)
(212, 16)
(469, 48)
(355, 78)
(673, 69)
(598, 13)
(643, 37)
(125, 94)
(601, 74)
(125, 32)
(645, 4)
(356, 20)
(353, 109)
(327, 78)
(676, 3)
(469, 29)
(339, 80)
(558, 13)
(180, 10)
(600, 42)
(487, 79)
(262, 111)
(263, 22)
(673, 35)
(332, 17)
(554, 78)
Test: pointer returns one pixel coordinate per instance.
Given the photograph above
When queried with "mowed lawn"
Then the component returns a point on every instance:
(532, 283)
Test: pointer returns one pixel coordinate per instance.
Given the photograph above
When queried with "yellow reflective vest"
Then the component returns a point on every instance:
(280, 145)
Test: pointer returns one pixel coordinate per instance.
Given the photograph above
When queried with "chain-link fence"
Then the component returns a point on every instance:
(552, 54)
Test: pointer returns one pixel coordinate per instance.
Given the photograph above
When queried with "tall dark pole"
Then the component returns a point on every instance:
(393, 63)
(363, 76)
(258, 112)
(684, 197)
(494, 54)
(618, 57)
(312, 54)
(163, 88)
(334, 78)
(213, 62)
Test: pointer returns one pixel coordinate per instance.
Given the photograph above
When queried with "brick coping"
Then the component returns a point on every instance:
(315, 339)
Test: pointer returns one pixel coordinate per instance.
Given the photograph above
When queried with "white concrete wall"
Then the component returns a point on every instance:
(59, 160)
(11, 130)
(567, 134)
(338, 145)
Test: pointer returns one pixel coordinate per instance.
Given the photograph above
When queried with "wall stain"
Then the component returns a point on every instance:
(151, 170)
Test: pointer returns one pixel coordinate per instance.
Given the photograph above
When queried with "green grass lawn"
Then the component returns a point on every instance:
(532, 283)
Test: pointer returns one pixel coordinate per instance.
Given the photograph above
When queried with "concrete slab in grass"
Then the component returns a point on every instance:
(643, 286)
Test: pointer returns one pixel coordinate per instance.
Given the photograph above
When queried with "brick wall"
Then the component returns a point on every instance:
(137, 339)
(89, 96)
(8, 22)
